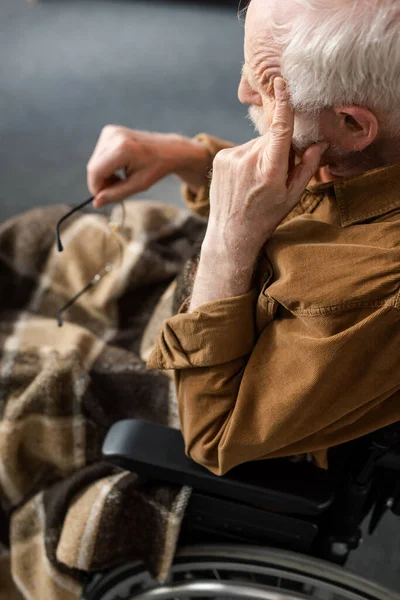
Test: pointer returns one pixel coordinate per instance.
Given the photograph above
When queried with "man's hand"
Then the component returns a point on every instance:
(254, 186)
(144, 158)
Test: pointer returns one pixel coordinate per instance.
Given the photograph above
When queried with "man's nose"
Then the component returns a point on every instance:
(247, 95)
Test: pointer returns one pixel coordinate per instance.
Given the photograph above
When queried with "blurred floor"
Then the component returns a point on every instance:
(68, 67)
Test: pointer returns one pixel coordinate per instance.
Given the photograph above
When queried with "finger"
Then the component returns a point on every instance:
(103, 167)
(281, 130)
(307, 168)
(110, 182)
(123, 189)
(103, 141)
(107, 133)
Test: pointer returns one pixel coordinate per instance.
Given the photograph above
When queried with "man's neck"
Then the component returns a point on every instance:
(380, 155)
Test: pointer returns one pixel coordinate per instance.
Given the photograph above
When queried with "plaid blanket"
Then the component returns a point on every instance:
(68, 513)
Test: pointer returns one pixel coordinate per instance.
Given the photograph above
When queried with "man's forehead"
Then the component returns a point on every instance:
(260, 51)
(259, 18)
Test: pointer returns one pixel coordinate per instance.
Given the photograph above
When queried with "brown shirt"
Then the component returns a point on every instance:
(310, 356)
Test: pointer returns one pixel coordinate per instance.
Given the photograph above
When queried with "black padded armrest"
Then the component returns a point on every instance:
(158, 452)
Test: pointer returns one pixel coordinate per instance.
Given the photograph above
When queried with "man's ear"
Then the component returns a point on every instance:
(357, 127)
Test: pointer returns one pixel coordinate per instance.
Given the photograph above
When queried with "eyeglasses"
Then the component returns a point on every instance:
(112, 249)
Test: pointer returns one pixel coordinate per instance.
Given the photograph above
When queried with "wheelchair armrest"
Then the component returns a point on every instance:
(158, 452)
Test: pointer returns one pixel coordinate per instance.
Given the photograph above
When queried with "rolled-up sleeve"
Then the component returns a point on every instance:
(306, 383)
(215, 334)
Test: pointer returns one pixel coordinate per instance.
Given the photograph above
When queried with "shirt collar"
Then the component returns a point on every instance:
(367, 196)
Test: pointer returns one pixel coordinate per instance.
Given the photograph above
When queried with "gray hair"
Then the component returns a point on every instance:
(343, 52)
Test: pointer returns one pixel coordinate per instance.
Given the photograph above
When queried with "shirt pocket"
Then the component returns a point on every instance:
(266, 305)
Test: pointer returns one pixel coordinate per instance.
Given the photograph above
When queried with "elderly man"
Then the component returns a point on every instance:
(289, 343)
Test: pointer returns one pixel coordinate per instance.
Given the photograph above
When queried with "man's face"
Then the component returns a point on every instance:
(262, 64)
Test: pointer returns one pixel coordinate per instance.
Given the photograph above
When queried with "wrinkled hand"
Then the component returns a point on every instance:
(145, 158)
(254, 186)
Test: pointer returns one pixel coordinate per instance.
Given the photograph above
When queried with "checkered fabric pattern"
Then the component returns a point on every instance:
(61, 389)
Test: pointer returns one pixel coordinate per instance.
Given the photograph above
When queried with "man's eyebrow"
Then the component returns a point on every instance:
(246, 73)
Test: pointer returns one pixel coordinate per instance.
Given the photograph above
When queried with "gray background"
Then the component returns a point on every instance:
(68, 67)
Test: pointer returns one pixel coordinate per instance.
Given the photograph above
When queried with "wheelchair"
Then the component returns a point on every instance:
(271, 530)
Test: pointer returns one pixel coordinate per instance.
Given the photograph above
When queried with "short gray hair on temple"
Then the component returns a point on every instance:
(343, 52)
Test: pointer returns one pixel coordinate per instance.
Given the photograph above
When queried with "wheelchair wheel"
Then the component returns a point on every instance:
(237, 572)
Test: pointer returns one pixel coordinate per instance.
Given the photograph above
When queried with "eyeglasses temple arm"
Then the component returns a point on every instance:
(87, 287)
(71, 212)
(72, 300)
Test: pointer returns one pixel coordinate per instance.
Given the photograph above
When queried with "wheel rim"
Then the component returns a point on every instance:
(213, 589)
(225, 573)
